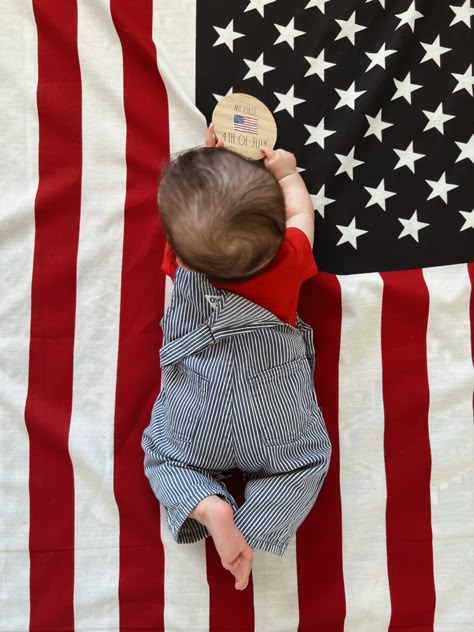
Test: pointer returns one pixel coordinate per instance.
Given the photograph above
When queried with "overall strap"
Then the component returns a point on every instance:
(234, 316)
(187, 345)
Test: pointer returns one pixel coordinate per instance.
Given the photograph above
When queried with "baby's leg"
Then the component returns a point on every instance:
(274, 508)
(276, 501)
(236, 555)
(276, 505)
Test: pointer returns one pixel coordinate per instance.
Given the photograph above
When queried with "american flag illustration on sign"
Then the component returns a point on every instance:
(375, 98)
(246, 124)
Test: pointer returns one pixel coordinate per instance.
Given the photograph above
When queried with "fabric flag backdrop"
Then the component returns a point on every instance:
(376, 99)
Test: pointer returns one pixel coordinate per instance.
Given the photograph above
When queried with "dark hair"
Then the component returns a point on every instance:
(223, 215)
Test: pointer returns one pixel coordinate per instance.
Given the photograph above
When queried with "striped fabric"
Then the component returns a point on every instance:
(237, 392)
(94, 96)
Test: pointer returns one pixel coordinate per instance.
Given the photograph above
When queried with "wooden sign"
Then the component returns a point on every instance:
(244, 124)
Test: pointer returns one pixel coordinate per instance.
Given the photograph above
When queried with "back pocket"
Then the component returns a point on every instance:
(185, 400)
(283, 398)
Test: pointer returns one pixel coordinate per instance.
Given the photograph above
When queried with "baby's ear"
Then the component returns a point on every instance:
(210, 136)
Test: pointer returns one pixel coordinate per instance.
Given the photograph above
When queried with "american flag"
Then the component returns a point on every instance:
(376, 99)
(245, 124)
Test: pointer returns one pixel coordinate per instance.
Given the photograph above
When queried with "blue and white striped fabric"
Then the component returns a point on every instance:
(237, 392)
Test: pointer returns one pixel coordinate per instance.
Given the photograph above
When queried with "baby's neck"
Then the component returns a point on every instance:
(179, 261)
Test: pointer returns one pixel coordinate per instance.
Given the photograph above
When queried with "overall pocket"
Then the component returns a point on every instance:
(283, 398)
(185, 399)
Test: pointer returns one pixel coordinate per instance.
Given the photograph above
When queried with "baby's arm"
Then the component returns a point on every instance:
(299, 207)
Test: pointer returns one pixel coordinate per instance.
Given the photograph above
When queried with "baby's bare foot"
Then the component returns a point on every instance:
(236, 555)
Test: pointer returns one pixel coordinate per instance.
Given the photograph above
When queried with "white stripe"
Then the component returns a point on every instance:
(186, 587)
(19, 182)
(174, 35)
(276, 591)
(99, 266)
(361, 431)
(452, 446)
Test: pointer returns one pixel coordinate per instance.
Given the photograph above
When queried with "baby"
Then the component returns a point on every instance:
(237, 362)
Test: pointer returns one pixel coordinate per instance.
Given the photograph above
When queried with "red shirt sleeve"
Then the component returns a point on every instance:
(169, 263)
(303, 253)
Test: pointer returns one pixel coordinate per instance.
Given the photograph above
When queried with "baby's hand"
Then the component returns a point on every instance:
(279, 162)
(211, 138)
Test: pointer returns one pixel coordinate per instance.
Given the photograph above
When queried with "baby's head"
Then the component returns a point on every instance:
(223, 215)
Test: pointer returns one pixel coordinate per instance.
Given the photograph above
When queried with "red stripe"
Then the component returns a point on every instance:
(405, 308)
(141, 552)
(319, 539)
(230, 610)
(53, 303)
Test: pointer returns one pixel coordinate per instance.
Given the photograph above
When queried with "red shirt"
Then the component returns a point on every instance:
(277, 288)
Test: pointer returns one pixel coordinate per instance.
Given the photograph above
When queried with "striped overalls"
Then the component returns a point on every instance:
(237, 392)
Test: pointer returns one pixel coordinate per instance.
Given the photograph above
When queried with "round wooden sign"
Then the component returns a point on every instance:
(244, 124)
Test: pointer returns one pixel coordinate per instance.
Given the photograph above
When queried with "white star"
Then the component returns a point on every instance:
(317, 65)
(441, 188)
(409, 17)
(407, 157)
(320, 201)
(462, 14)
(376, 125)
(434, 51)
(317, 3)
(405, 88)
(465, 81)
(349, 28)
(258, 5)
(411, 226)
(348, 97)
(288, 33)
(378, 59)
(288, 101)
(348, 163)
(469, 219)
(437, 119)
(350, 234)
(382, 2)
(378, 195)
(227, 36)
(257, 69)
(467, 150)
(318, 133)
(219, 97)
